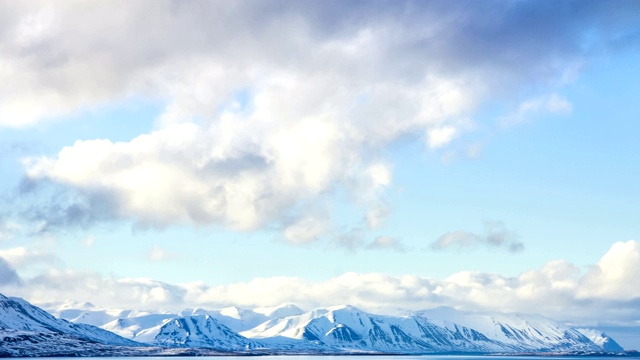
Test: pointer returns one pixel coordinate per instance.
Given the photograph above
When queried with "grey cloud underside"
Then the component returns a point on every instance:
(8, 275)
(519, 37)
(351, 76)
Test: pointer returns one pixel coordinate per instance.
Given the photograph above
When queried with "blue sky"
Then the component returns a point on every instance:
(411, 155)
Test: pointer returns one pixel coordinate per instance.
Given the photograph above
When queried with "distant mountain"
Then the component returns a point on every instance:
(214, 329)
(436, 331)
(87, 313)
(524, 333)
(143, 328)
(348, 328)
(339, 329)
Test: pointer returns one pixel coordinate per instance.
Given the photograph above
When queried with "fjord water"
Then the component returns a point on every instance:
(357, 357)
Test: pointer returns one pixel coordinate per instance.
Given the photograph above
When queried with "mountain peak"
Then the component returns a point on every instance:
(344, 307)
(232, 311)
(279, 311)
(340, 328)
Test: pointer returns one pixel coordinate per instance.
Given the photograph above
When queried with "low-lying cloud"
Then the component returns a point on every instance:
(601, 294)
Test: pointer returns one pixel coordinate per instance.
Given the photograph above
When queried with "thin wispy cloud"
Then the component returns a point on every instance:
(386, 243)
(495, 235)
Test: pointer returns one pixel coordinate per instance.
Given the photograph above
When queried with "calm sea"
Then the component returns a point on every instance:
(360, 357)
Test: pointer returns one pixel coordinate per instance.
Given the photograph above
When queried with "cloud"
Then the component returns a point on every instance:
(557, 289)
(22, 257)
(306, 230)
(495, 235)
(300, 105)
(439, 137)
(159, 254)
(8, 276)
(551, 104)
(385, 242)
(614, 275)
(8, 229)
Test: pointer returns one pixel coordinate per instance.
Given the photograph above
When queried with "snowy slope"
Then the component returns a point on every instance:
(342, 328)
(348, 328)
(17, 314)
(280, 311)
(26, 330)
(142, 328)
(601, 339)
(201, 331)
(157, 329)
(518, 331)
(238, 319)
(87, 313)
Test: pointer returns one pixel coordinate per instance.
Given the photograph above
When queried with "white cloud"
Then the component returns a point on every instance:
(306, 230)
(615, 275)
(22, 257)
(441, 136)
(301, 102)
(8, 229)
(558, 289)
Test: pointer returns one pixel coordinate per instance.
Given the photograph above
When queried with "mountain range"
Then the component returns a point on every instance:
(84, 329)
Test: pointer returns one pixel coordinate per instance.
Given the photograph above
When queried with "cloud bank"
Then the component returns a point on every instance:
(558, 289)
(271, 108)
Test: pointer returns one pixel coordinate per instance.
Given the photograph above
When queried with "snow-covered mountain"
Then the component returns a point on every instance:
(198, 327)
(201, 331)
(286, 328)
(348, 328)
(87, 313)
(524, 333)
(439, 330)
(601, 339)
(28, 330)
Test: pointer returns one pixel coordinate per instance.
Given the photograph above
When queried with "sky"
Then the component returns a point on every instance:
(392, 155)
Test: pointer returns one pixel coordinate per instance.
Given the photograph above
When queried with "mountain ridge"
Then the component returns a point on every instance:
(348, 328)
(284, 329)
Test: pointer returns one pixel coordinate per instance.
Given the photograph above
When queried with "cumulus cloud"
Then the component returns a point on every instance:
(496, 235)
(558, 289)
(614, 276)
(299, 104)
